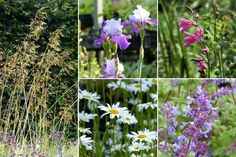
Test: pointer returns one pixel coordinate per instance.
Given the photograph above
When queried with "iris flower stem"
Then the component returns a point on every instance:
(117, 64)
(141, 52)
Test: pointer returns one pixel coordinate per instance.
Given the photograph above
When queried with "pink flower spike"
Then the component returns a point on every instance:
(184, 24)
(205, 50)
(189, 40)
(199, 34)
(200, 63)
(196, 37)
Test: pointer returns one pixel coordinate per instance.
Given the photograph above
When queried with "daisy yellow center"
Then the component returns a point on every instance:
(136, 148)
(87, 97)
(138, 86)
(142, 136)
(114, 111)
(127, 118)
(154, 81)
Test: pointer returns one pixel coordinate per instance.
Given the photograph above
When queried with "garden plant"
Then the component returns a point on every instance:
(118, 118)
(116, 37)
(197, 39)
(38, 79)
(197, 118)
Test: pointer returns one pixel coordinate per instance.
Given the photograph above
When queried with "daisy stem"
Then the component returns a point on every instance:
(126, 132)
(103, 139)
(113, 135)
(141, 52)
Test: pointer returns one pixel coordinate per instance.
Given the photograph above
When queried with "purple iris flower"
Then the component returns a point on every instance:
(112, 29)
(140, 19)
(109, 69)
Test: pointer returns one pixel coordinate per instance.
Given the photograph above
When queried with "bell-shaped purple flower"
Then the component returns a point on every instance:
(109, 69)
(112, 30)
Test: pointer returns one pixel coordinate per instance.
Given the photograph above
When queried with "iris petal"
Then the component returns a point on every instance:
(122, 41)
(100, 40)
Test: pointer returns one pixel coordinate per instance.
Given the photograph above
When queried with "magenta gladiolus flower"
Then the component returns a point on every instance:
(140, 19)
(200, 63)
(196, 37)
(112, 30)
(184, 24)
(109, 69)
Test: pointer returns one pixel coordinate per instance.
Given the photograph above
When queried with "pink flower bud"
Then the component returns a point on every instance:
(196, 16)
(205, 50)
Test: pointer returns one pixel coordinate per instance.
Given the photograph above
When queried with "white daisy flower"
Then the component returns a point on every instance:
(138, 87)
(86, 116)
(92, 105)
(146, 106)
(133, 155)
(117, 147)
(134, 101)
(114, 110)
(83, 94)
(84, 130)
(146, 135)
(116, 85)
(112, 85)
(136, 147)
(152, 122)
(153, 96)
(87, 142)
(127, 119)
(148, 82)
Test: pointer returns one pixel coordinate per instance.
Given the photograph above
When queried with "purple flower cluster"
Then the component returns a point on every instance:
(56, 135)
(169, 112)
(197, 120)
(37, 154)
(234, 87)
(174, 82)
(221, 92)
(232, 148)
(201, 114)
(9, 141)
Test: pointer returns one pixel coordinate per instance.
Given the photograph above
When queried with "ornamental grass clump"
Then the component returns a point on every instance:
(34, 96)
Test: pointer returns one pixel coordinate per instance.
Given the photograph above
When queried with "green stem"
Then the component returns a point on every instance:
(103, 139)
(117, 65)
(141, 52)
(186, 153)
